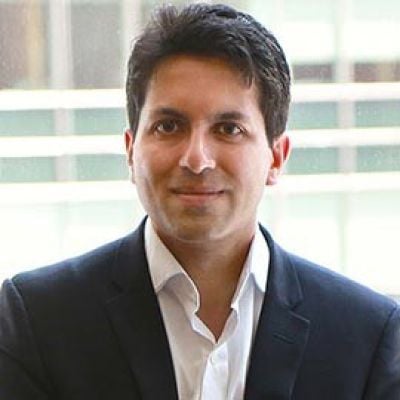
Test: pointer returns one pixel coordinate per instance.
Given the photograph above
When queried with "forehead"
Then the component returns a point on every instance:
(201, 79)
(218, 65)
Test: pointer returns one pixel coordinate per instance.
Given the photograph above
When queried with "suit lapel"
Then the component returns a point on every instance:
(136, 318)
(281, 335)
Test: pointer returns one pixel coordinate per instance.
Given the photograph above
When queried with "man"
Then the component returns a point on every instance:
(199, 302)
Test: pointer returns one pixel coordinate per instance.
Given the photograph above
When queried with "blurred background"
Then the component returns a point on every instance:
(63, 180)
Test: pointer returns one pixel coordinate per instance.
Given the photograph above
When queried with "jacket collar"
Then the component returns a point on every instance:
(282, 333)
(136, 317)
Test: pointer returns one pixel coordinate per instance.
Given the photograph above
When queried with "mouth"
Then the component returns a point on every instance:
(197, 191)
(197, 196)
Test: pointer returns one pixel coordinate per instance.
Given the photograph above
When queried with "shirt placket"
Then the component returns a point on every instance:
(215, 378)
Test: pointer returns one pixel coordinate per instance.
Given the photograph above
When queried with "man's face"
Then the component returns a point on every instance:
(200, 158)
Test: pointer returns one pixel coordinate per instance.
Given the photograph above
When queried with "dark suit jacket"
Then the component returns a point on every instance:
(91, 328)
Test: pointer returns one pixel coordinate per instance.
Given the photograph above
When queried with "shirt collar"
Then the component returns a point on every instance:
(255, 268)
(164, 266)
(258, 259)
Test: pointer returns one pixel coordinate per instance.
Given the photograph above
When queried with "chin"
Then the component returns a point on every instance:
(195, 233)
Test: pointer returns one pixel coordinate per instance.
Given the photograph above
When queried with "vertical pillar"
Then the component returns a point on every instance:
(344, 73)
(61, 76)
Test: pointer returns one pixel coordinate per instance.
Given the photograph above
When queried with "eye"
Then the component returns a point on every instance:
(166, 126)
(229, 129)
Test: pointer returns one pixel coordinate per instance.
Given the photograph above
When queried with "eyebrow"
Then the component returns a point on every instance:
(221, 116)
(167, 111)
(231, 115)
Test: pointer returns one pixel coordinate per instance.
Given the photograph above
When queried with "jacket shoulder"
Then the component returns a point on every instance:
(89, 275)
(96, 261)
(323, 287)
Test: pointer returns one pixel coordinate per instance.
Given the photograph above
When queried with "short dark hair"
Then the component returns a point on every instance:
(217, 31)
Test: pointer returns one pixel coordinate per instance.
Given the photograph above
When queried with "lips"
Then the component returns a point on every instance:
(197, 196)
(196, 191)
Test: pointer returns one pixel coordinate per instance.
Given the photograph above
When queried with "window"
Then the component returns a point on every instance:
(63, 181)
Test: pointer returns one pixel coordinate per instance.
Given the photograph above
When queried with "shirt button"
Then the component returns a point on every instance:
(217, 357)
(213, 358)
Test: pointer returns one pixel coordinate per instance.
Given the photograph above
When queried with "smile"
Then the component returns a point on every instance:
(197, 197)
(197, 191)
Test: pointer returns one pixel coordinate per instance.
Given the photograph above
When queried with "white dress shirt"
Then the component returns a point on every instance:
(205, 368)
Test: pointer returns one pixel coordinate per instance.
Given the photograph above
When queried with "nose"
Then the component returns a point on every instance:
(197, 155)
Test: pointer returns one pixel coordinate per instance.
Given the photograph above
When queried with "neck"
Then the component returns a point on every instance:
(221, 259)
(215, 268)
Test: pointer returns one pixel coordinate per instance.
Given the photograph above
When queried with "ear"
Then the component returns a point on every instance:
(129, 147)
(280, 152)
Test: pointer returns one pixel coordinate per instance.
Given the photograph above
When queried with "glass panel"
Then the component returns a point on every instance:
(376, 10)
(371, 72)
(27, 169)
(309, 10)
(312, 116)
(99, 122)
(313, 73)
(23, 44)
(28, 123)
(377, 113)
(101, 167)
(378, 158)
(313, 161)
(96, 44)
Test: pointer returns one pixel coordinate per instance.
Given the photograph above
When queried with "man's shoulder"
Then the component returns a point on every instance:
(325, 290)
(90, 269)
(97, 256)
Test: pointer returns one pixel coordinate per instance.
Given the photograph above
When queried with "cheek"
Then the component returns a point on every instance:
(141, 169)
(149, 167)
(253, 169)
